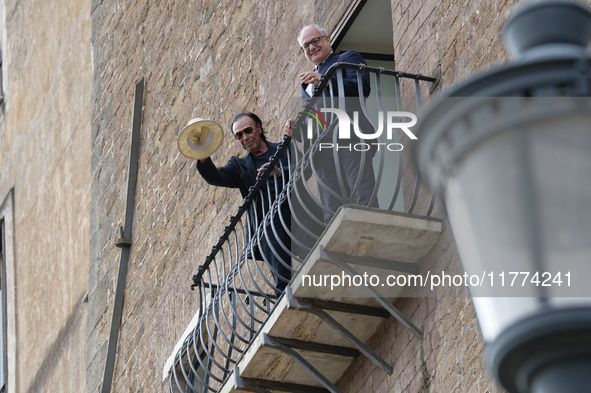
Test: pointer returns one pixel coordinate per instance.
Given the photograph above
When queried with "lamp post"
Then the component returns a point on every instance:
(509, 152)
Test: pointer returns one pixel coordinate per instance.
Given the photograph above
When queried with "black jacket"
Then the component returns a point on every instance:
(350, 90)
(241, 173)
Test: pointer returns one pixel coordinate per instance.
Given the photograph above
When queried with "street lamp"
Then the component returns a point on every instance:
(509, 152)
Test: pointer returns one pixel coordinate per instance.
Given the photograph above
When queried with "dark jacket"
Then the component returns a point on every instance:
(351, 87)
(241, 173)
(351, 90)
(238, 173)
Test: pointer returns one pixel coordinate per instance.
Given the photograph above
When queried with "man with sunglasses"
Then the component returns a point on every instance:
(272, 242)
(315, 44)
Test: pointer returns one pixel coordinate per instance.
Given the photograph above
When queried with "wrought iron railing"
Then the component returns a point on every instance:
(282, 218)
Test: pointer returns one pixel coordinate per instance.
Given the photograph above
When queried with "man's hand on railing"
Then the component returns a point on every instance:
(311, 77)
(287, 127)
(263, 168)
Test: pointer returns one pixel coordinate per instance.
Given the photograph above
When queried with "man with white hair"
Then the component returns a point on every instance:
(315, 44)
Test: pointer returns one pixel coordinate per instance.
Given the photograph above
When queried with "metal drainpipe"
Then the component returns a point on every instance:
(124, 242)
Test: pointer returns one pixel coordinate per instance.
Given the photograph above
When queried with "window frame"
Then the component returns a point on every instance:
(1, 75)
(7, 281)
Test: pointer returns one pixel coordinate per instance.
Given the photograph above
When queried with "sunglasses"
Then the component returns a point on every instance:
(247, 131)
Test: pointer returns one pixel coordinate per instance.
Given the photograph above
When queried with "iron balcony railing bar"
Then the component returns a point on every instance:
(269, 224)
(241, 291)
(305, 200)
(210, 324)
(188, 376)
(251, 294)
(380, 106)
(342, 193)
(228, 276)
(188, 351)
(326, 82)
(209, 354)
(253, 193)
(237, 283)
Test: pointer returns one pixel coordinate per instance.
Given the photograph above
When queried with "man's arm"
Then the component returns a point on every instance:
(350, 75)
(226, 176)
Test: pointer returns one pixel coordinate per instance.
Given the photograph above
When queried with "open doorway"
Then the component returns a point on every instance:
(367, 28)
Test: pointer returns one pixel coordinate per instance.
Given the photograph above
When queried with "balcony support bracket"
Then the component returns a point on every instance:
(297, 304)
(270, 342)
(337, 260)
(319, 348)
(264, 386)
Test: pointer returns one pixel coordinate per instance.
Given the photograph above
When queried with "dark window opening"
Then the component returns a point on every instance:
(3, 365)
(1, 73)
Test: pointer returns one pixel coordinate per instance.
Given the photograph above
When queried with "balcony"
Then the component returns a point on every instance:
(272, 315)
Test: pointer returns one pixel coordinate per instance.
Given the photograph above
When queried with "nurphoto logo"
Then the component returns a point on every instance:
(394, 120)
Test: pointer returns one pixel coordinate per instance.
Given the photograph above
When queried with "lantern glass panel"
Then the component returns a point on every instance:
(519, 203)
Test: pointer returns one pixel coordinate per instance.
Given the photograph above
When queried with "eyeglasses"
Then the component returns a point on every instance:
(247, 131)
(314, 41)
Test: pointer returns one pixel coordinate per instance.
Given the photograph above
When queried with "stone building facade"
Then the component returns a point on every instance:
(45, 192)
(69, 74)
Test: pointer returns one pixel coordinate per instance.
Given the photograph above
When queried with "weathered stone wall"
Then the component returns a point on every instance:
(44, 158)
(451, 38)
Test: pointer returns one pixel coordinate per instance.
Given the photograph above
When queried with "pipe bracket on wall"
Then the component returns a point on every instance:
(124, 241)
